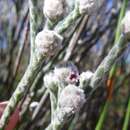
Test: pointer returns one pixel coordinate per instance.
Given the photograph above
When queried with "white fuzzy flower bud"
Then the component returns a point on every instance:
(54, 9)
(71, 99)
(50, 81)
(67, 73)
(126, 25)
(85, 78)
(48, 43)
(33, 105)
(88, 6)
(70, 5)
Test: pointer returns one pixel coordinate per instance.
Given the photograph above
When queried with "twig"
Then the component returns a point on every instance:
(25, 82)
(42, 101)
(30, 73)
(64, 24)
(75, 39)
(107, 63)
(127, 117)
(33, 24)
(20, 53)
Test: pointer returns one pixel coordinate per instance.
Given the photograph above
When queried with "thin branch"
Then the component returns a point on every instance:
(109, 60)
(75, 38)
(26, 81)
(20, 52)
(69, 20)
(33, 23)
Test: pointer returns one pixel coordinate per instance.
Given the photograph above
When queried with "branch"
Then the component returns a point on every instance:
(109, 60)
(25, 82)
(105, 66)
(33, 23)
(71, 18)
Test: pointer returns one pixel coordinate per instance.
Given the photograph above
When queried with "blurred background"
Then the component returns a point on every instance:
(108, 109)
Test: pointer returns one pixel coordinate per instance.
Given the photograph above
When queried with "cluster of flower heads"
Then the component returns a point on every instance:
(55, 10)
(48, 43)
(71, 98)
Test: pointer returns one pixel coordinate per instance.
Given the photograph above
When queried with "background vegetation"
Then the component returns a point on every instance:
(109, 106)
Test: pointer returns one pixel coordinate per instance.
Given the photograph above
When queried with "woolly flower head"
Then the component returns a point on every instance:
(50, 81)
(66, 72)
(71, 99)
(54, 9)
(48, 43)
(88, 6)
(85, 78)
(33, 106)
(126, 25)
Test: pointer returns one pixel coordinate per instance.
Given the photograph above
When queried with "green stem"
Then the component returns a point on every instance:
(127, 117)
(109, 60)
(69, 20)
(102, 116)
(118, 32)
(74, 121)
(53, 103)
(25, 82)
(33, 24)
(122, 12)
(114, 67)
